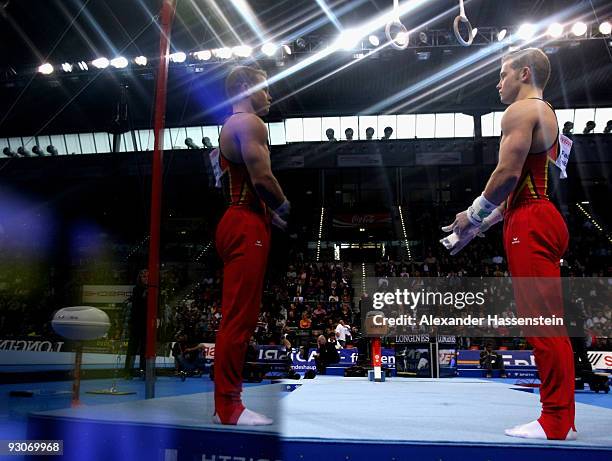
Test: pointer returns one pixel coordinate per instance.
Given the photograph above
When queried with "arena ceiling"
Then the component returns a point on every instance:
(57, 31)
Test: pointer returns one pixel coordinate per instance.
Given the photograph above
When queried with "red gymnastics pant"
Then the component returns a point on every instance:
(243, 242)
(535, 239)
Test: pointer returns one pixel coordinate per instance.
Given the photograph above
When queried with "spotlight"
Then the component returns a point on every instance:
(141, 60)
(374, 40)
(83, 65)
(178, 57)
(119, 62)
(190, 144)
(287, 50)
(38, 151)
(203, 55)
(207, 143)
(300, 43)
(223, 53)
(100, 63)
(8, 152)
(51, 149)
(23, 152)
(526, 31)
(45, 69)
(579, 29)
(402, 38)
(589, 127)
(348, 39)
(555, 30)
(67, 67)
(501, 35)
(269, 49)
(242, 51)
(605, 28)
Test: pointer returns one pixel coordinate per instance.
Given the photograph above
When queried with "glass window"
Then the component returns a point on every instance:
(127, 142)
(15, 143)
(312, 129)
(406, 126)
(276, 131)
(425, 125)
(211, 132)
(88, 145)
(103, 143)
(349, 122)
(195, 133)
(464, 126)
(29, 142)
(72, 144)
(581, 118)
(178, 138)
(445, 126)
(602, 115)
(385, 121)
(564, 115)
(365, 122)
(3, 144)
(497, 116)
(486, 123)
(294, 130)
(334, 124)
(58, 142)
(167, 139)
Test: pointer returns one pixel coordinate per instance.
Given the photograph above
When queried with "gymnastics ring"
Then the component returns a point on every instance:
(463, 18)
(398, 45)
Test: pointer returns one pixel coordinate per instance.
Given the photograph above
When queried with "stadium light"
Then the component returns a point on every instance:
(555, 30)
(45, 69)
(100, 63)
(203, 55)
(119, 62)
(242, 51)
(141, 60)
(605, 28)
(526, 31)
(579, 29)
(179, 57)
(67, 67)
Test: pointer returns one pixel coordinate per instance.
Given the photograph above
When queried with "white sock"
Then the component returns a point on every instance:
(247, 418)
(534, 430)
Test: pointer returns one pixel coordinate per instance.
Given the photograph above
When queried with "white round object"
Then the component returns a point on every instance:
(81, 322)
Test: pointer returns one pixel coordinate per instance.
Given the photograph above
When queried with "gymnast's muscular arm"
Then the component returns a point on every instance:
(253, 137)
(517, 126)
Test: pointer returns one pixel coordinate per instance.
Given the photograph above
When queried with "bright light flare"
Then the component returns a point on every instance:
(269, 49)
(100, 63)
(374, 40)
(223, 53)
(555, 30)
(579, 29)
(45, 69)
(605, 28)
(402, 38)
(204, 55)
(141, 60)
(526, 31)
(178, 57)
(501, 35)
(242, 51)
(348, 39)
(119, 62)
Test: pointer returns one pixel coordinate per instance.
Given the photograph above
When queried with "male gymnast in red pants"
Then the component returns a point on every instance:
(535, 234)
(243, 235)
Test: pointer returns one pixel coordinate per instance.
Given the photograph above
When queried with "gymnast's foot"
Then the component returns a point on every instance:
(246, 418)
(534, 430)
